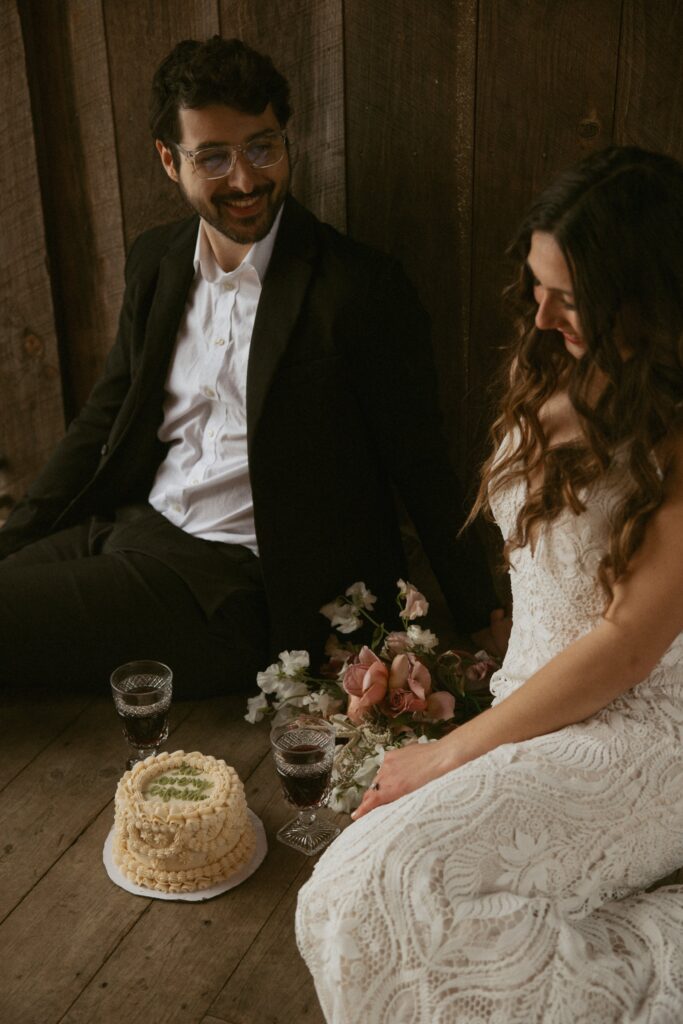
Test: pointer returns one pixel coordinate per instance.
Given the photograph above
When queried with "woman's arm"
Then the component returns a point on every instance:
(642, 620)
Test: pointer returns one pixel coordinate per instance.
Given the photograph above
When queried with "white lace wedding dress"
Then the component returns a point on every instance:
(510, 891)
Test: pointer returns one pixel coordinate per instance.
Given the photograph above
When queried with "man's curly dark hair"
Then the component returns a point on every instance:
(219, 70)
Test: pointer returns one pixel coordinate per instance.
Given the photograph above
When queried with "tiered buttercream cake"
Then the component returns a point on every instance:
(181, 823)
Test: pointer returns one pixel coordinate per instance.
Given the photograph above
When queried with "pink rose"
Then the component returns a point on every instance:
(354, 711)
(398, 701)
(408, 672)
(440, 707)
(365, 681)
(409, 684)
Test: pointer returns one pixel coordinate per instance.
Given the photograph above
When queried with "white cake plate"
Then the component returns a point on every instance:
(244, 872)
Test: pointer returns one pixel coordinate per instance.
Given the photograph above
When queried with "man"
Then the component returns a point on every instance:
(233, 468)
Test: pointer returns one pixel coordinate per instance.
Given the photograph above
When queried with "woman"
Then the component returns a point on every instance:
(497, 875)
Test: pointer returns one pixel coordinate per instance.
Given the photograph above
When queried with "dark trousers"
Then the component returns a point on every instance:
(78, 603)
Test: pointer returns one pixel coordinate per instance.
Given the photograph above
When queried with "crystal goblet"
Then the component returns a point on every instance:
(303, 749)
(142, 693)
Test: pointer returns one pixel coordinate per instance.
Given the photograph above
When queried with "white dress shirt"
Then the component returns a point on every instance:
(203, 484)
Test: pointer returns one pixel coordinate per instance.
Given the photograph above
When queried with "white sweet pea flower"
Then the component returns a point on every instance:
(361, 596)
(343, 726)
(291, 709)
(423, 638)
(321, 703)
(293, 661)
(287, 688)
(269, 679)
(257, 708)
(342, 615)
(364, 775)
(345, 799)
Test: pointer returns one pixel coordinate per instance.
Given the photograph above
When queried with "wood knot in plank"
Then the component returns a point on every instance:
(33, 345)
(589, 128)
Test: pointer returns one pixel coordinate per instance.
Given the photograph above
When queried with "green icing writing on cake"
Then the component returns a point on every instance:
(181, 784)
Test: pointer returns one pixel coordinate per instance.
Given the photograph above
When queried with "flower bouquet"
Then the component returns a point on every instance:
(395, 690)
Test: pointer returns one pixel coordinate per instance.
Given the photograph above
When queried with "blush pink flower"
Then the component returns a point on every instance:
(408, 686)
(365, 681)
(398, 701)
(408, 672)
(416, 605)
(395, 643)
(440, 707)
(337, 657)
(480, 670)
(354, 711)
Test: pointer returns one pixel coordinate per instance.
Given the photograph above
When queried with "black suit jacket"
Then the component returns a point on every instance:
(341, 408)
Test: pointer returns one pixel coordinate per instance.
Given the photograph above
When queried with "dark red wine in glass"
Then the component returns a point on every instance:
(304, 750)
(143, 716)
(142, 697)
(305, 772)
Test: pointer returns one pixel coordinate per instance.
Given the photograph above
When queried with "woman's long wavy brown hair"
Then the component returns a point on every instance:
(618, 219)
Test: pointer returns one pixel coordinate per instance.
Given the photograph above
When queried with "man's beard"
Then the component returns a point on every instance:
(248, 231)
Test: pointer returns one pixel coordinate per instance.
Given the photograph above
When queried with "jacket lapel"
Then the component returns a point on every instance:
(283, 293)
(154, 342)
(176, 272)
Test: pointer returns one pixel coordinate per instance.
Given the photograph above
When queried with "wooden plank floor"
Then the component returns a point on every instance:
(76, 949)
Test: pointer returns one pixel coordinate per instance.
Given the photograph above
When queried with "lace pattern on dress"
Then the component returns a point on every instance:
(510, 891)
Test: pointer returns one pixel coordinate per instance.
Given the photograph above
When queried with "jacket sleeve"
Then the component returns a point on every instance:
(397, 382)
(77, 455)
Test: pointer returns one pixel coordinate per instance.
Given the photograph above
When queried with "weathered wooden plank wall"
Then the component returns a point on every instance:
(74, 130)
(649, 101)
(30, 391)
(423, 131)
(304, 38)
(546, 79)
(409, 102)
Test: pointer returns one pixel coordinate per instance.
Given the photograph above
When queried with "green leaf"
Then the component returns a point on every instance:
(377, 637)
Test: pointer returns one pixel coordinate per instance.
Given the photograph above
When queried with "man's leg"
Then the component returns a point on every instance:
(68, 618)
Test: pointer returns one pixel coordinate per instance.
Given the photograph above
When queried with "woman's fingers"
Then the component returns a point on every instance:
(402, 772)
(371, 798)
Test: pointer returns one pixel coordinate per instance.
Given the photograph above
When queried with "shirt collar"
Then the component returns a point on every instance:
(257, 257)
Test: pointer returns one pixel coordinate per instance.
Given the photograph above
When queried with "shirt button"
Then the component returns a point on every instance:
(219, 341)
(176, 507)
(228, 286)
(207, 391)
(194, 481)
(211, 433)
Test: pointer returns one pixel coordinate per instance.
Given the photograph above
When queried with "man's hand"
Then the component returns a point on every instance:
(494, 639)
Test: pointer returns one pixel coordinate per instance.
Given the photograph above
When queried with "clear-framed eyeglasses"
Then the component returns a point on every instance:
(216, 161)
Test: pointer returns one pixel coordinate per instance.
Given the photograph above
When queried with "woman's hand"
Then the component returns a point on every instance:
(407, 769)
